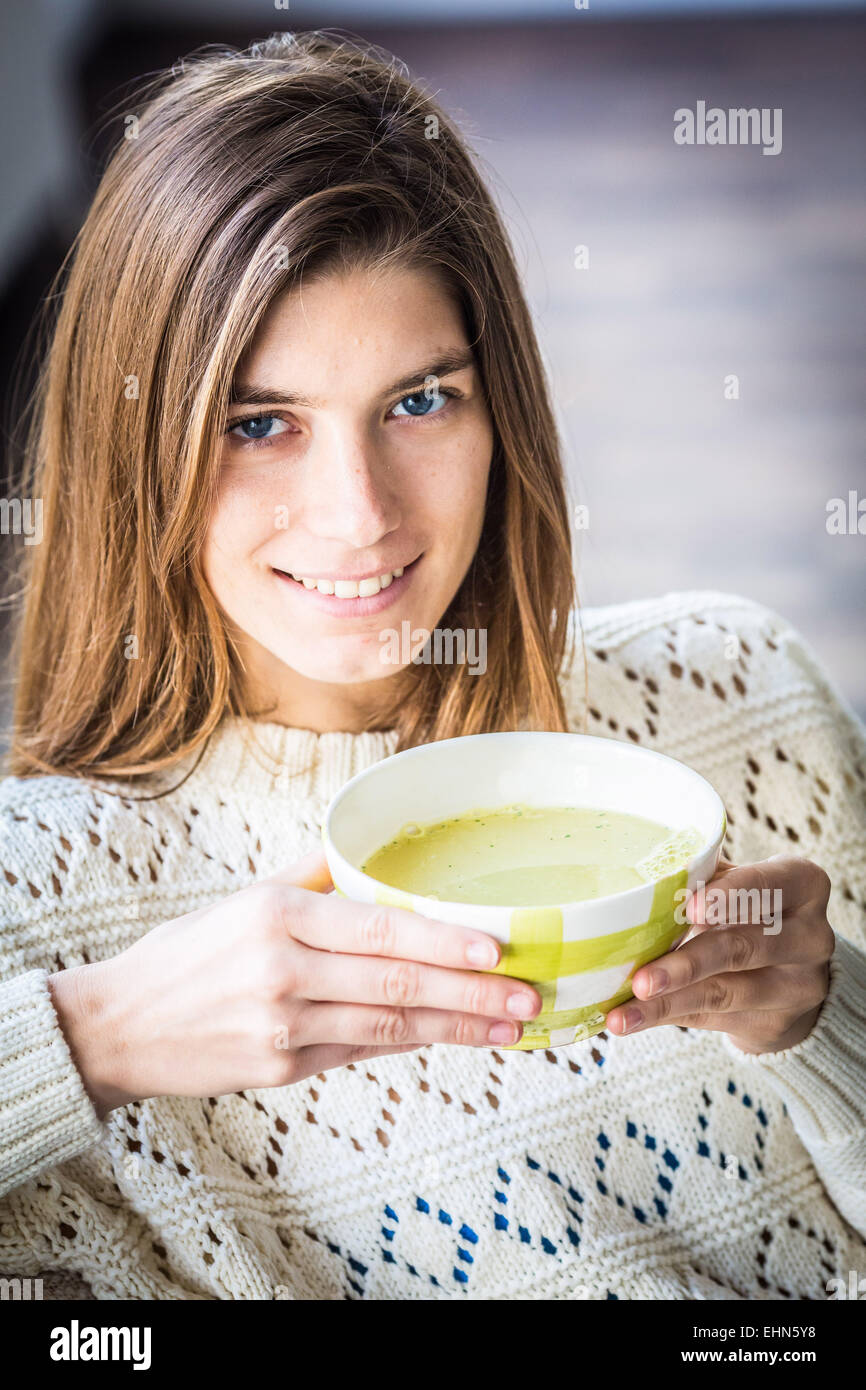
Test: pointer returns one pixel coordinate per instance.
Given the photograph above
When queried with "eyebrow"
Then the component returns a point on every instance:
(250, 393)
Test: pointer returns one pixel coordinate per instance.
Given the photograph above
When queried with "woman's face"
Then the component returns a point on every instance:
(352, 470)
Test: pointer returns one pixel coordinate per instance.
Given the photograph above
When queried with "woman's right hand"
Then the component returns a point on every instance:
(275, 983)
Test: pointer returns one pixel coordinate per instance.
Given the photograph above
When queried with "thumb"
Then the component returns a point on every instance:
(310, 872)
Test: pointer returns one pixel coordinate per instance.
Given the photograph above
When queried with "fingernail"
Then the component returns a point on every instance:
(631, 1019)
(504, 1033)
(482, 954)
(521, 1005)
(658, 980)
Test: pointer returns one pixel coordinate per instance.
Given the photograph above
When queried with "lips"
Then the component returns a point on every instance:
(349, 588)
(359, 606)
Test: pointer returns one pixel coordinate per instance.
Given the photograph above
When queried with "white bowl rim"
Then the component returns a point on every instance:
(710, 845)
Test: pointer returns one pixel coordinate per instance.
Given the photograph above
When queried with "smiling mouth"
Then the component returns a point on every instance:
(347, 589)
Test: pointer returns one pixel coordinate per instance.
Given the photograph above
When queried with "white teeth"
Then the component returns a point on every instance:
(350, 588)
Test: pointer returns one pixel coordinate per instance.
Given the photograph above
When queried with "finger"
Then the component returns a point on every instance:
(757, 1023)
(327, 975)
(322, 1056)
(331, 923)
(309, 872)
(758, 1031)
(750, 892)
(775, 988)
(691, 898)
(717, 881)
(738, 948)
(371, 1025)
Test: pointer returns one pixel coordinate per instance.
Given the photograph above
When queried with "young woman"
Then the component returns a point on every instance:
(293, 399)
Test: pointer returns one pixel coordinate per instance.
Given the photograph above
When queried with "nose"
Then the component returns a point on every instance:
(352, 496)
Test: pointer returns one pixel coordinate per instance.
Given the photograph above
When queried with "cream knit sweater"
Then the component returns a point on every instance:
(664, 1165)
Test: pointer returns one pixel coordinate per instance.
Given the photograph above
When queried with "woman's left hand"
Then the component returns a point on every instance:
(762, 984)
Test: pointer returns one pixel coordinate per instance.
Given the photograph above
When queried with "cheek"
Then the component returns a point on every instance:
(455, 483)
(465, 492)
(244, 517)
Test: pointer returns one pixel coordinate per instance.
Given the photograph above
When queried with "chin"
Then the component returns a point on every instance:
(341, 670)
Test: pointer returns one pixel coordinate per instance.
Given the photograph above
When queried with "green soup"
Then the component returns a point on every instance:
(523, 856)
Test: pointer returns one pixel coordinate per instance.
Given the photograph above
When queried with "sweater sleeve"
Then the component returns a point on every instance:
(822, 1080)
(46, 1115)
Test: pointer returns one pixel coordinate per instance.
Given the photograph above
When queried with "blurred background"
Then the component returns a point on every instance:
(700, 264)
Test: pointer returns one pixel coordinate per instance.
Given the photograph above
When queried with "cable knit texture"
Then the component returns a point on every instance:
(663, 1165)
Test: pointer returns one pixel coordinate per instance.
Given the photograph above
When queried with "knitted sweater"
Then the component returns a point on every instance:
(663, 1165)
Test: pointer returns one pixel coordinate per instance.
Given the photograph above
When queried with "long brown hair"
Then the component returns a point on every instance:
(238, 173)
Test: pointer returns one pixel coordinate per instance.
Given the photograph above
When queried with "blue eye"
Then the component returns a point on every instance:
(257, 427)
(423, 403)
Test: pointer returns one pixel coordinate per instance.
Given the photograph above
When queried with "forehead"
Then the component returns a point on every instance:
(343, 329)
